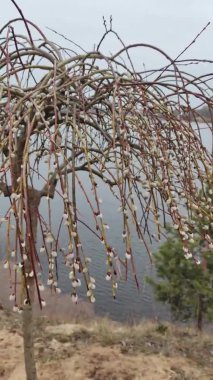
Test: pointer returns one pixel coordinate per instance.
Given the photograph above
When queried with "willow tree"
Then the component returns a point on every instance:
(69, 113)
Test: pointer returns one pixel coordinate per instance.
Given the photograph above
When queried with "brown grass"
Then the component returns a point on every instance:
(104, 350)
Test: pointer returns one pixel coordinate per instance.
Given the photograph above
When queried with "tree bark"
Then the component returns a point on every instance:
(28, 336)
(34, 197)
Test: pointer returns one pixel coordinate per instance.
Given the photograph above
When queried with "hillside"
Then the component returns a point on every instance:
(100, 349)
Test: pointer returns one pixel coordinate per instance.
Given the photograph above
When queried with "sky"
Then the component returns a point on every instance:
(169, 24)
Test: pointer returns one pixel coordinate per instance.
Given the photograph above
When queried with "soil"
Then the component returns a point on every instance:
(104, 350)
(72, 343)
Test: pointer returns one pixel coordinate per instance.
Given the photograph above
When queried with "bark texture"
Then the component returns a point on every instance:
(28, 325)
(28, 336)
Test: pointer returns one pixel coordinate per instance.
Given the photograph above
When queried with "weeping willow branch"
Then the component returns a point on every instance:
(69, 120)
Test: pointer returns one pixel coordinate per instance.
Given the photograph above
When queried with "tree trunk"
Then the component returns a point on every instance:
(200, 313)
(28, 336)
(27, 321)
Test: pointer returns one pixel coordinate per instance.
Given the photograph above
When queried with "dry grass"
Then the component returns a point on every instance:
(106, 350)
(151, 338)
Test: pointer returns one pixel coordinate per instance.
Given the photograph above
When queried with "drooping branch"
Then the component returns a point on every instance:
(135, 131)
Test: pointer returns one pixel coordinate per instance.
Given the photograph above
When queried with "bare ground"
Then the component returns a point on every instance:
(104, 350)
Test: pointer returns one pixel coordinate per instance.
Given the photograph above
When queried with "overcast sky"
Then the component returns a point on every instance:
(168, 24)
